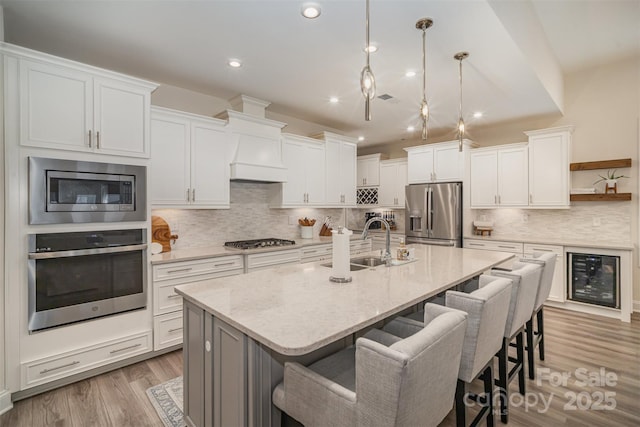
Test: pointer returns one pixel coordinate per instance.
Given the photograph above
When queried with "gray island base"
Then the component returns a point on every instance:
(239, 330)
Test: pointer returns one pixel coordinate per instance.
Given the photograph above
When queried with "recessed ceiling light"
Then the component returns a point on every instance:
(477, 114)
(410, 129)
(310, 10)
(410, 73)
(361, 138)
(234, 63)
(372, 48)
(334, 100)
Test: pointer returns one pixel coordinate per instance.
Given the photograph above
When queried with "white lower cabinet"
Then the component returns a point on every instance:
(40, 371)
(558, 288)
(264, 260)
(167, 305)
(316, 253)
(358, 246)
(498, 246)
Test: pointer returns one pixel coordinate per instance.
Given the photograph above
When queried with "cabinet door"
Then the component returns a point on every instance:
(484, 178)
(170, 163)
(293, 158)
(401, 183)
(420, 166)
(209, 165)
(362, 171)
(121, 115)
(314, 174)
(387, 190)
(333, 175)
(549, 170)
(513, 179)
(448, 164)
(56, 107)
(347, 162)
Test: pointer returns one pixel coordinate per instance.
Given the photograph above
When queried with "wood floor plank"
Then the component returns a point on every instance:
(572, 341)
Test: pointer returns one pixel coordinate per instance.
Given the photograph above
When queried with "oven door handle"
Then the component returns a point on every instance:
(81, 252)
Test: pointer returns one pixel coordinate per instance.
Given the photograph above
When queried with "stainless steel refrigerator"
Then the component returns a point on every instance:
(433, 214)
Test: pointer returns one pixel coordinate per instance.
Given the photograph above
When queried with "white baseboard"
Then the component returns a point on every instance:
(5, 401)
(636, 306)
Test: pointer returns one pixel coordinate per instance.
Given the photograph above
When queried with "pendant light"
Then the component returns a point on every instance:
(367, 80)
(422, 25)
(459, 57)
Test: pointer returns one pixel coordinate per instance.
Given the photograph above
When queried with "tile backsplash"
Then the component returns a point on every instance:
(589, 221)
(249, 217)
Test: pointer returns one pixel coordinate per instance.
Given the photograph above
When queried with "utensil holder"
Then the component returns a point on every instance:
(306, 232)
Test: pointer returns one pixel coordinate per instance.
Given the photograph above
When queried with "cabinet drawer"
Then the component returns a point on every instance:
(530, 248)
(316, 253)
(166, 300)
(167, 330)
(55, 367)
(512, 247)
(187, 269)
(268, 259)
(360, 246)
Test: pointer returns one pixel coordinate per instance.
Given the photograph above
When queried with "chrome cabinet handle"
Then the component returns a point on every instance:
(193, 195)
(90, 141)
(506, 247)
(125, 348)
(180, 270)
(173, 296)
(222, 264)
(174, 330)
(499, 200)
(44, 371)
(530, 198)
(188, 195)
(98, 140)
(495, 199)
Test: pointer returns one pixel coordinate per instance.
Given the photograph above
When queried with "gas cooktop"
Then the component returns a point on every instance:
(259, 243)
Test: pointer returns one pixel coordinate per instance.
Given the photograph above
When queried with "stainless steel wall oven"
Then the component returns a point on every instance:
(69, 191)
(83, 275)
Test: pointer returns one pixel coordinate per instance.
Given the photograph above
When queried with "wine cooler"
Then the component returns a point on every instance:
(594, 279)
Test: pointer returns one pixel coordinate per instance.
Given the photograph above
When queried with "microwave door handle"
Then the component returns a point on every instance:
(81, 252)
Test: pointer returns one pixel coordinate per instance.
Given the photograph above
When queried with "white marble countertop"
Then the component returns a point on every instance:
(295, 309)
(560, 241)
(219, 250)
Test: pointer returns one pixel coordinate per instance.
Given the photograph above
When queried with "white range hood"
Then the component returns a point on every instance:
(255, 142)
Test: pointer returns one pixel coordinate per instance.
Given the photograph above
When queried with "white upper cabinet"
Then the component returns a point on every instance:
(549, 158)
(441, 162)
(340, 167)
(189, 162)
(68, 106)
(304, 159)
(498, 176)
(368, 170)
(393, 179)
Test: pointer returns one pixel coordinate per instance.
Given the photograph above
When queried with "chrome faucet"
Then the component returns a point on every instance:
(386, 257)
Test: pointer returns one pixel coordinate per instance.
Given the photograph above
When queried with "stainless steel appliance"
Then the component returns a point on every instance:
(594, 279)
(82, 275)
(68, 191)
(433, 214)
(259, 243)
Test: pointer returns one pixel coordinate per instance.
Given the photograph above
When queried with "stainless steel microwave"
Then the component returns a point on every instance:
(69, 191)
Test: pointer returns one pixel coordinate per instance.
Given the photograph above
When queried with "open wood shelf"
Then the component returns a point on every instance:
(609, 197)
(602, 164)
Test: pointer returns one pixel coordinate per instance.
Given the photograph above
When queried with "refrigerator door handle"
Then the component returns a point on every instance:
(429, 197)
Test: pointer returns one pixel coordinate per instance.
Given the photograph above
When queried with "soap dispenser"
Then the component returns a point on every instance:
(402, 253)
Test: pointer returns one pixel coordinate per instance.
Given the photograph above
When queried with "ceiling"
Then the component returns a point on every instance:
(518, 52)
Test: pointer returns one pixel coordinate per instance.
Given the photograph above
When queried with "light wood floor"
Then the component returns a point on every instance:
(573, 341)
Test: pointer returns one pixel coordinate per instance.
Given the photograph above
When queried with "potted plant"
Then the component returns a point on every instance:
(610, 180)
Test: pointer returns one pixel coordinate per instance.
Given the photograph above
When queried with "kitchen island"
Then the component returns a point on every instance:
(240, 330)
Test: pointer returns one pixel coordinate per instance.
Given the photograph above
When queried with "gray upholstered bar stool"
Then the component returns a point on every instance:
(410, 382)
(535, 336)
(526, 280)
(487, 317)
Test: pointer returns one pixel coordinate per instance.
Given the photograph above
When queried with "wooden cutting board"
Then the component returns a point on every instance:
(161, 233)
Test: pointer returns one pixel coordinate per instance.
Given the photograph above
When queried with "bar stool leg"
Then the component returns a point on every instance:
(520, 356)
(530, 348)
(461, 409)
(540, 318)
(502, 382)
(487, 377)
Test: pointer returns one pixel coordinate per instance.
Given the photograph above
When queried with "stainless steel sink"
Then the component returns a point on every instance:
(367, 261)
